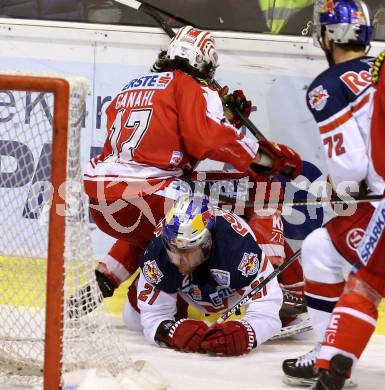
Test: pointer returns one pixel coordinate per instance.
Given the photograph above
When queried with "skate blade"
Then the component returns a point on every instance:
(293, 381)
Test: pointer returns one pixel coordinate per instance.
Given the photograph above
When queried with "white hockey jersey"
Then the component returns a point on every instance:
(340, 100)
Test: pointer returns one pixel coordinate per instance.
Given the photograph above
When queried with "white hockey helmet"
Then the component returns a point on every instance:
(345, 21)
(197, 46)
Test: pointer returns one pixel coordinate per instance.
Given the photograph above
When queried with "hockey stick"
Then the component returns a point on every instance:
(291, 330)
(154, 12)
(228, 176)
(333, 200)
(260, 286)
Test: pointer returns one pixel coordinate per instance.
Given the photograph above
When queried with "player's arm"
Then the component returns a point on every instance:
(342, 140)
(377, 124)
(208, 134)
(155, 307)
(262, 311)
(260, 323)
(206, 131)
(157, 315)
(247, 266)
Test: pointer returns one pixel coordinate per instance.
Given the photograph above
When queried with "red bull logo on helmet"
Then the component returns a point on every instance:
(249, 264)
(329, 6)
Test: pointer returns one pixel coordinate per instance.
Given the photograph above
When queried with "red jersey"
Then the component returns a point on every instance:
(378, 126)
(158, 125)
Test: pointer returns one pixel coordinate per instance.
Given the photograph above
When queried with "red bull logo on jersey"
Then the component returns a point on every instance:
(249, 264)
(151, 272)
(318, 98)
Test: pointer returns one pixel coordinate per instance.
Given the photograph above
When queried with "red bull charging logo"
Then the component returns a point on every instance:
(249, 264)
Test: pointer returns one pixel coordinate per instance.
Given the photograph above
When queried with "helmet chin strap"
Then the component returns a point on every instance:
(329, 56)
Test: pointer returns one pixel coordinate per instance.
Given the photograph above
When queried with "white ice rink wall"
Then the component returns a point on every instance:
(274, 72)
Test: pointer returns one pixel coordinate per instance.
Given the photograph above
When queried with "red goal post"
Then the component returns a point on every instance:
(45, 244)
(60, 88)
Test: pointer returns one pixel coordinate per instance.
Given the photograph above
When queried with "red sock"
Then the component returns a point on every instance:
(352, 324)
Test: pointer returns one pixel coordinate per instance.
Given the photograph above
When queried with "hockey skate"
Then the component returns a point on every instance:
(292, 305)
(301, 371)
(335, 378)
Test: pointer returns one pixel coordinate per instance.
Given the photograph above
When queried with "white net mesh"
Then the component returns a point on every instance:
(25, 192)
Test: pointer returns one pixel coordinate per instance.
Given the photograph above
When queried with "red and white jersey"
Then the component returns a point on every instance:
(158, 125)
(340, 100)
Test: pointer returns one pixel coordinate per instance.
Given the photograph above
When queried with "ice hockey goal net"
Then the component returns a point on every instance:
(45, 246)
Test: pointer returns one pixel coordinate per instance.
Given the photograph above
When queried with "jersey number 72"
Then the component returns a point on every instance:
(336, 143)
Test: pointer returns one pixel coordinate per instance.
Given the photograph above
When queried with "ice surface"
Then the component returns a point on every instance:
(261, 369)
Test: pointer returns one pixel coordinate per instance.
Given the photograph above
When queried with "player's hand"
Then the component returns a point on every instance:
(282, 160)
(232, 338)
(237, 100)
(186, 335)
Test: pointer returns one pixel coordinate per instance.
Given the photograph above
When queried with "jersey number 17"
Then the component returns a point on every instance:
(126, 135)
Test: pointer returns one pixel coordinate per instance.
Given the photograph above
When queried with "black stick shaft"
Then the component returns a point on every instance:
(154, 12)
(333, 200)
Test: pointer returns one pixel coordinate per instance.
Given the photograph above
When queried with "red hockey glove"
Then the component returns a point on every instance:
(284, 160)
(186, 335)
(232, 338)
(236, 99)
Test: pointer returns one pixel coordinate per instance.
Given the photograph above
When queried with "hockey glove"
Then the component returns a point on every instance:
(232, 338)
(284, 161)
(184, 335)
(236, 100)
(107, 287)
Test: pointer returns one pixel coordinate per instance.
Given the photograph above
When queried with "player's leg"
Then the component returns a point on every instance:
(133, 226)
(117, 266)
(326, 257)
(291, 281)
(352, 324)
(355, 315)
(324, 269)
